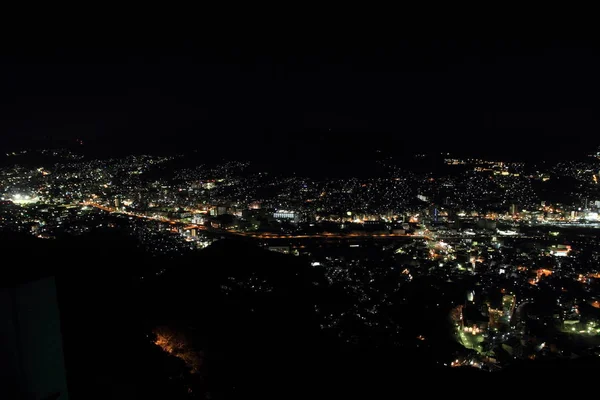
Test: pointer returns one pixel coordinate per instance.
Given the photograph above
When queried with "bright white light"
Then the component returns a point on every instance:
(593, 216)
(20, 199)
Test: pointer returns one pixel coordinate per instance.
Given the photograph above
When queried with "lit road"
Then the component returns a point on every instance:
(326, 236)
(261, 235)
(267, 236)
(112, 210)
(100, 206)
(286, 236)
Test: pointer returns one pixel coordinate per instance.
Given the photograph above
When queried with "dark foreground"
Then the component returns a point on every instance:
(235, 321)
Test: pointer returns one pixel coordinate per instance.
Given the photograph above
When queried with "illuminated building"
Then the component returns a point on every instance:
(560, 250)
(285, 215)
(471, 296)
(24, 199)
(218, 210)
(208, 185)
(198, 219)
(592, 216)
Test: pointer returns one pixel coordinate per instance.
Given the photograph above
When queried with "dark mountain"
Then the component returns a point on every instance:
(246, 315)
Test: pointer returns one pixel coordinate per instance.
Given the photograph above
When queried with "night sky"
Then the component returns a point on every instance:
(520, 98)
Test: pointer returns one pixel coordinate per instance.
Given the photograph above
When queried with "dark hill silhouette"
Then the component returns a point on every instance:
(264, 341)
(271, 342)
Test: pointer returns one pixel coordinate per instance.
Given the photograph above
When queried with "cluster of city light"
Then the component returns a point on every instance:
(24, 199)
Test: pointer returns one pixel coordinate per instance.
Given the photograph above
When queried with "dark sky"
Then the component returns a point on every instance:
(489, 96)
